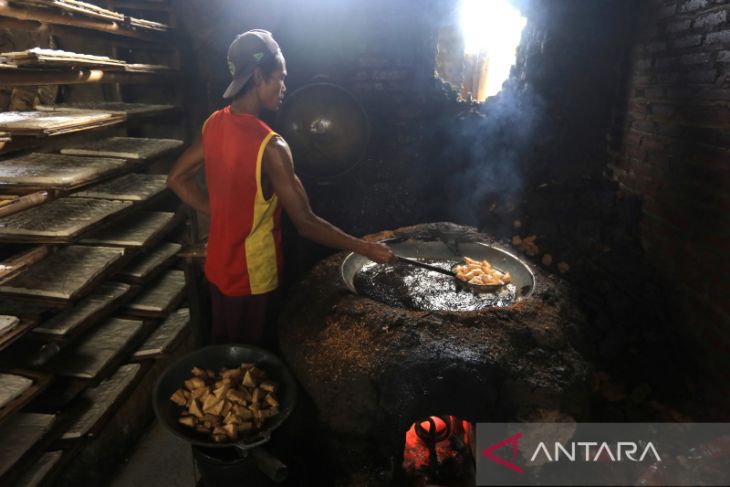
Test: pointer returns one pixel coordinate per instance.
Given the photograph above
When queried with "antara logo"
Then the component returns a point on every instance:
(622, 450)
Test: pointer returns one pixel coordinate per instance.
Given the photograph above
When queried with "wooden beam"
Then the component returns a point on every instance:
(32, 77)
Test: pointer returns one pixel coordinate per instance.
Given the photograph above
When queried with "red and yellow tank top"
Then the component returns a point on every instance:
(244, 246)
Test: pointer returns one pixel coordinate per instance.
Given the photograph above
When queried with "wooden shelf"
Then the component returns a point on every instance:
(32, 77)
(37, 17)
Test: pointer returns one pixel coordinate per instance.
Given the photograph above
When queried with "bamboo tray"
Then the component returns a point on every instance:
(39, 171)
(59, 221)
(97, 305)
(126, 147)
(130, 187)
(141, 229)
(64, 275)
(164, 338)
(97, 404)
(162, 295)
(98, 350)
(145, 266)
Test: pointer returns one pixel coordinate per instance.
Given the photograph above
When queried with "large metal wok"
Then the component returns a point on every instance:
(216, 357)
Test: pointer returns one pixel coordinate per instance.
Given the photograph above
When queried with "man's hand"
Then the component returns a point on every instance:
(378, 252)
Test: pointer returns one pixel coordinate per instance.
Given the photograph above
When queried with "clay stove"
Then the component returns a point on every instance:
(373, 370)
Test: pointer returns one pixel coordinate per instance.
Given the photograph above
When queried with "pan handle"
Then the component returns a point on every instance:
(270, 465)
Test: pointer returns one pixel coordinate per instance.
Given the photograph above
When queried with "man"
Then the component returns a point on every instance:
(250, 176)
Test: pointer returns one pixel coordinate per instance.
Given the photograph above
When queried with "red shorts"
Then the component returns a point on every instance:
(239, 319)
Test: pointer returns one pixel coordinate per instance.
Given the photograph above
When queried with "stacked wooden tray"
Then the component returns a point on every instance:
(147, 265)
(98, 403)
(98, 350)
(36, 475)
(126, 147)
(85, 313)
(114, 107)
(39, 171)
(166, 336)
(130, 187)
(59, 221)
(19, 437)
(54, 58)
(49, 123)
(74, 7)
(143, 229)
(65, 275)
(160, 297)
(18, 388)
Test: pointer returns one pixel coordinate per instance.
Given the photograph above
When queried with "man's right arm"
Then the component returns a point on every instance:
(183, 178)
(278, 166)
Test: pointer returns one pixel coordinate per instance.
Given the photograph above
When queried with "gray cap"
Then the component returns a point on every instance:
(245, 53)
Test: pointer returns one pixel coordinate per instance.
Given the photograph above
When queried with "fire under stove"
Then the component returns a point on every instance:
(400, 363)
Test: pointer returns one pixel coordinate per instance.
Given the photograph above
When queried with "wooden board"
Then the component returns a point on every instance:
(130, 187)
(36, 475)
(57, 171)
(7, 324)
(76, 319)
(98, 403)
(115, 107)
(163, 339)
(126, 147)
(75, 7)
(47, 123)
(160, 297)
(141, 229)
(19, 436)
(65, 274)
(144, 266)
(34, 383)
(97, 350)
(12, 386)
(61, 220)
(39, 57)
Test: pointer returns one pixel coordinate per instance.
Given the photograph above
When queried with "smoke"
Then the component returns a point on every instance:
(486, 150)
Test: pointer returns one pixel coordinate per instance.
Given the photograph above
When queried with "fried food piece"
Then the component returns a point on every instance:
(179, 398)
(481, 272)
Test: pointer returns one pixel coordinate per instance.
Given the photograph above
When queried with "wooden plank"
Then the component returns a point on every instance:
(48, 123)
(142, 229)
(46, 17)
(64, 275)
(73, 321)
(147, 265)
(98, 403)
(18, 437)
(125, 147)
(97, 351)
(163, 339)
(40, 471)
(114, 107)
(130, 187)
(59, 221)
(30, 77)
(34, 383)
(160, 297)
(41, 171)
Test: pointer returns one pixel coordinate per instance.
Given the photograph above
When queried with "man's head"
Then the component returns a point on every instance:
(256, 62)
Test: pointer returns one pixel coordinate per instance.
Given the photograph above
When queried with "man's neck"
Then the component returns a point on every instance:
(247, 103)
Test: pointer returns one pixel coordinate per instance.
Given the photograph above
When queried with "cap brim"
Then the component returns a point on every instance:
(235, 86)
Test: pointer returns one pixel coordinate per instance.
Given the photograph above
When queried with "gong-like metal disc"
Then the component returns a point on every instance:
(327, 129)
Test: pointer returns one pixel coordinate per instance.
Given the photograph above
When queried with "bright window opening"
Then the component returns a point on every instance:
(477, 51)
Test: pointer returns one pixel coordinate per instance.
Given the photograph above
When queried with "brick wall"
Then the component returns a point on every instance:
(674, 152)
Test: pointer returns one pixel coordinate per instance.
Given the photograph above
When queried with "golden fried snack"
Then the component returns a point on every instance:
(480, 272)
(225, 404)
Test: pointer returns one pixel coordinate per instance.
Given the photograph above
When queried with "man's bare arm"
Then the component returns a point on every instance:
(278, 166)
(182, 178)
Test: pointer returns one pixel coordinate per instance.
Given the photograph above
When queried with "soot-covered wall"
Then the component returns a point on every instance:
(675, 154)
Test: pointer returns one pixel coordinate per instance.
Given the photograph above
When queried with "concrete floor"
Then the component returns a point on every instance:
(159, 459)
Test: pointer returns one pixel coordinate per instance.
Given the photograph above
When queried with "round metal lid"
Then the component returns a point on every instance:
(327, 129)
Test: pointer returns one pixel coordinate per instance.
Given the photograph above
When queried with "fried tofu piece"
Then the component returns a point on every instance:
(269, 386)
(188, 421)
(178, 397)
(195, 409)
(198, 372)
(271, 400)
(231, 431)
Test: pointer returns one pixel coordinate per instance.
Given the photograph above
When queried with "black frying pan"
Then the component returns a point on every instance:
(216, 357)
